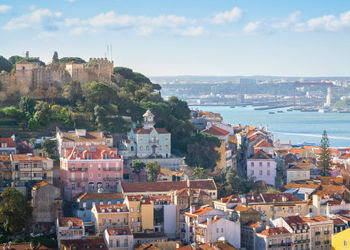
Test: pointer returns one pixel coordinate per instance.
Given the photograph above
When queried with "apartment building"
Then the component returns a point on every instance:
(7, 146)
(113, 216)
(262, 167)
(119, 239)
(69, 228)
(278, 238)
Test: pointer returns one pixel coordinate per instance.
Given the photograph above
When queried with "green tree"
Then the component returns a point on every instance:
(153, 170)
(198, 173)
(5, 64)
(42, 113)
(137, 167)
(14, 59)
(73, 92)
(15, 212)
(55, 57)
(27, 105)
(71, 59)
(101, 120)
(325, 155)
(33, 124)
(49, 147)
(201, 151)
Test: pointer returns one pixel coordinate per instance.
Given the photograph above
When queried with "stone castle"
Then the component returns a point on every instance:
(30, 77)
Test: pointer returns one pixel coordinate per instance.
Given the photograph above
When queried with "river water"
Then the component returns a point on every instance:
(299, 127)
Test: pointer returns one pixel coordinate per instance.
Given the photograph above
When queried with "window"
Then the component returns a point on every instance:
(166, 147)
(160, 147)
(91, 176)
(141, 148)
(252, 164)
(252, 172)
(107, 185)
(260, 164)
(268, 172)
(268, 164)
(73, 186)
(90, 165)
(345, 243)
(260, 172)
(147, 148)
(132, 210)
(222, 230)
(99, 166)
(217, 230)
(126, 243)
(84, 204)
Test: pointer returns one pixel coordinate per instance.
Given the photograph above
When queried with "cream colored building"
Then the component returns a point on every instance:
(278, 238)
(113, 216)
(321, 231)
(301, 171)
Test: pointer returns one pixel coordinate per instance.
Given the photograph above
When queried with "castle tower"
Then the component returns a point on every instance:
(148, 120)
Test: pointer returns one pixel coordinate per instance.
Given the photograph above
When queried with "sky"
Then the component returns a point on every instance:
(186, 37)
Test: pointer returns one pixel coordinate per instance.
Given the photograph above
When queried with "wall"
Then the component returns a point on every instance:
(269, 179)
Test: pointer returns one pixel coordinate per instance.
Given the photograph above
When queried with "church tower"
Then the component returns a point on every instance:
(148, 120)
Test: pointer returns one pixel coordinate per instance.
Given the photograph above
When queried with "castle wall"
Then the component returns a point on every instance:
(24, 81)
(43, 78)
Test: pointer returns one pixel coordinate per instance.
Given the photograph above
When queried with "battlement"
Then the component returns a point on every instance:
(101, 61)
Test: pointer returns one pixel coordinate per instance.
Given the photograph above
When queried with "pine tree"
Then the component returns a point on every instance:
(325, 155)
(55, 57)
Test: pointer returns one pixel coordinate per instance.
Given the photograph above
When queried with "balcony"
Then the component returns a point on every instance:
(78, 179)
(110, 169)
(326, 242)
(317, 243)
(326, 232)
(317, 233)
(136, 224)
(111, 179)
(78, 169)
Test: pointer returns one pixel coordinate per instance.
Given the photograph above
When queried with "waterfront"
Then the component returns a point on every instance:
(299, 127)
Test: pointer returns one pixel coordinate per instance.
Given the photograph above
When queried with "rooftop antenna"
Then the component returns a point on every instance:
(111, 53)
(107, 51)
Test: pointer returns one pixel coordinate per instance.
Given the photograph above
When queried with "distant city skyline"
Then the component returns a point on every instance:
(167, 38)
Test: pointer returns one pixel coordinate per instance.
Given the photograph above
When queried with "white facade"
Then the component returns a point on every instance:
(219, 229)
(297, 175)
(262, 170)
(118, 239)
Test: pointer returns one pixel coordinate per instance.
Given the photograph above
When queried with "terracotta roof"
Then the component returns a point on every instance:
(94, 243)
(264, 144)
(148, 131)
(260, 155)
(315, 219)
(295, 220)
(338, 221)
(300, 166)
(139, 198)
(278, 197)
(40, 184)
(274, 231)
(213, 220)
(112, 208)
(26, 157)
(345, 156)
(9, 141)
(216, 131)
(198, 212)
(232, 199)
(166, 186)
(119, 232)
(94, 152)
(301, 185)
(241, 208)
(92, 137)
(23, 246)
(64, 221)
(298, 151)
(5, 158)
(100, 196)
(256, 224)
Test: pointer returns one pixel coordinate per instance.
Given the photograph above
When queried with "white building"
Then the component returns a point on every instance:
(119, 239)
(69, 228)
(300, 171)
(262, 167)
(147, 141)
(219, 229)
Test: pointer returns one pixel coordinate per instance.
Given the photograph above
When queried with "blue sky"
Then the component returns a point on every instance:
(183, 37)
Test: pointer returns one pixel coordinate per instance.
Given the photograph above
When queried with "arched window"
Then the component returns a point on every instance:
(166, 147)
(147, 148)
(141, 148)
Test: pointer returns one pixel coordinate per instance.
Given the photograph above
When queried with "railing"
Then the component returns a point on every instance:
(110, 169)
(326, 232)
(78, 169)
(110, 178)
(318, 243)
(78, 179)
(326, 242)
(317, 233)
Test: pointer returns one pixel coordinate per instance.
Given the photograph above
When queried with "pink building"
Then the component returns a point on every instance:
(262, 167)
(89, 169)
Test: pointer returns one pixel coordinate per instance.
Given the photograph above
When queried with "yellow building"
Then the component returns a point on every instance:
(141, 213)
(112, 216)
(341, 241)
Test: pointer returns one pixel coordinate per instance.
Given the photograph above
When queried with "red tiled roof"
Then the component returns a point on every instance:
(345, 156)
(213, 220)
(148, 131)
(338, 221)
(26, 157)
(119, 232)
(144, 199)
(277, 197)
(294, 220)
(94, 243)
(95, 151)
(241, 208)
(100, 196)
(166, 186)
(9, 141)
(64, 221)
(231, 199)
(263, 143)
(90, 137)
(198, 212)
(214, 130)
(5, 158)
(260, 155)
(315, 219)
(112, 208)
(274, 231)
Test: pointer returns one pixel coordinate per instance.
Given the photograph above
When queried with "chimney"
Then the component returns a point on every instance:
(192, 209)
(316, 203)
(328, 211)
(306, 196)
(188, 183)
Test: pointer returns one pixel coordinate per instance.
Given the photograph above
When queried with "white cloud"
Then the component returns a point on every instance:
(328, 23)
(39, 18)
(267, 26)
(231, 16)
(140, 25)
(193, 31)
(5, 8)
